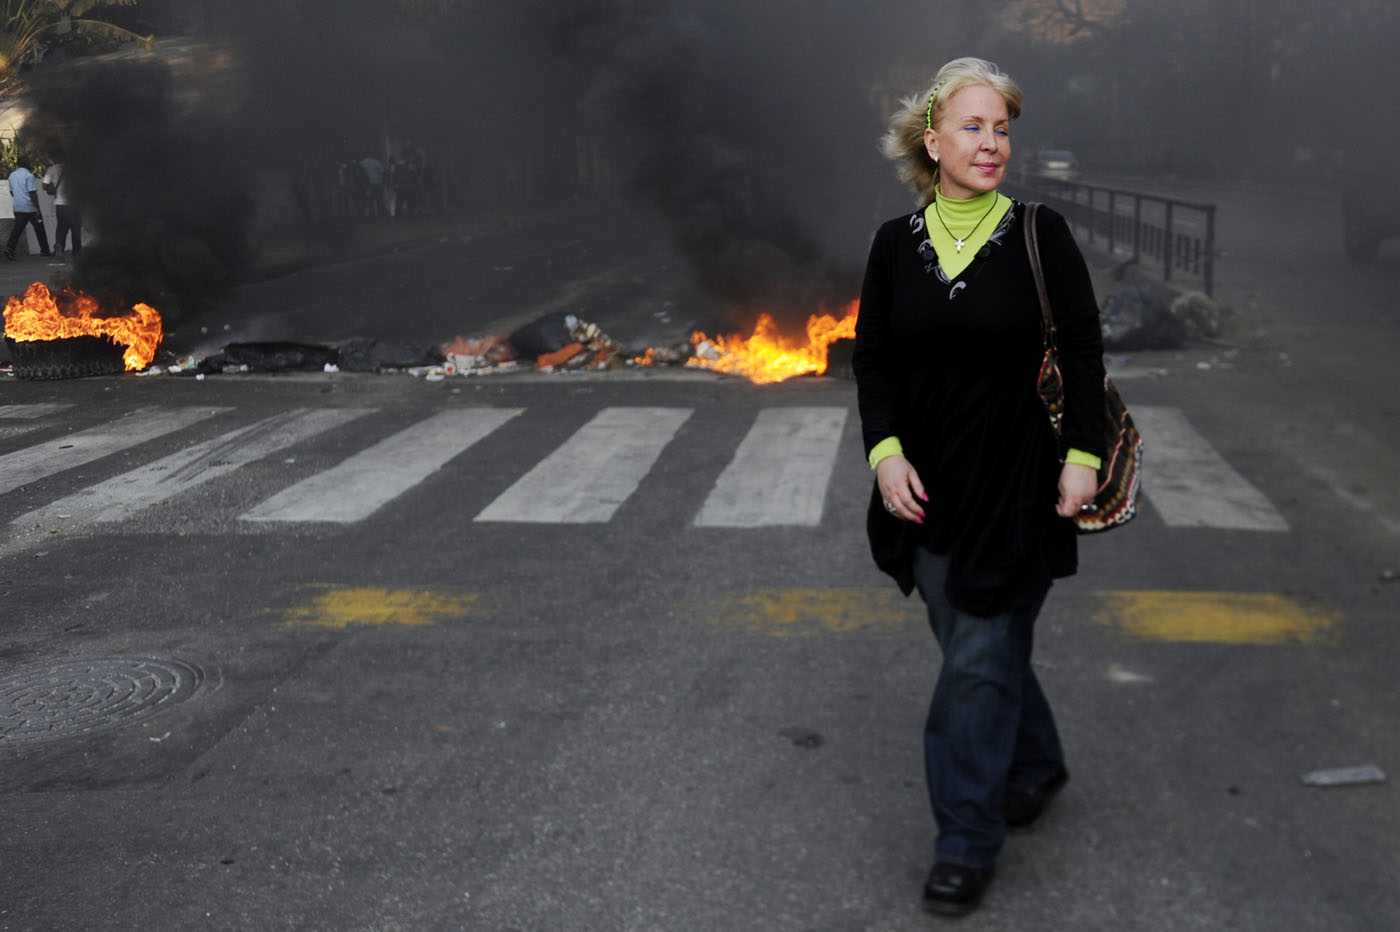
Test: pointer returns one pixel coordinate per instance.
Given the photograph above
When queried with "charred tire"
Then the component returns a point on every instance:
(72, 358)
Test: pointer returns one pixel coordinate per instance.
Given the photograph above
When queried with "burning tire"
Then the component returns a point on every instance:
(70, 358)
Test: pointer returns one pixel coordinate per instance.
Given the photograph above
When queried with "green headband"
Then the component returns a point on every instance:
(928, 117)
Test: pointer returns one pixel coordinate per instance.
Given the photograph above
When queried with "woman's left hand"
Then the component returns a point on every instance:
(1078, 483)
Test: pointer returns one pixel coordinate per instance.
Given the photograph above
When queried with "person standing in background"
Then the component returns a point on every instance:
(374, 180)
(24, 189)
(70, 219)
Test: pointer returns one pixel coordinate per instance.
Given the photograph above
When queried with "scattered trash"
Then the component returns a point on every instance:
(548, 361)
(803, 738)
(664, 355)
(1117, 673)
(270, 357)
(489, 350)
(184, 364)
(1345, 776)
(1198, 315)
(1139, 319)
(379, 356)
(588, 347)
(547, 334)
(553, 343)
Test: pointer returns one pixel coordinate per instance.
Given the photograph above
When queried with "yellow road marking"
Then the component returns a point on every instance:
(336, 608)
(1214, 617)
(1182, 617)
(815, 612)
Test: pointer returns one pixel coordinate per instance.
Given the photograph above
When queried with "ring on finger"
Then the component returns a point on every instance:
(889, 506)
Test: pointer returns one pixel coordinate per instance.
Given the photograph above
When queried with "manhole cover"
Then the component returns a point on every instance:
(45, 702)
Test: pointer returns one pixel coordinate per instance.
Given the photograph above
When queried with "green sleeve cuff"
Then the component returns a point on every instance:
(1079, 458)
(886, 448)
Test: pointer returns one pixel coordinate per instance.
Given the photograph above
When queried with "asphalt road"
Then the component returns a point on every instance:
(442, 716)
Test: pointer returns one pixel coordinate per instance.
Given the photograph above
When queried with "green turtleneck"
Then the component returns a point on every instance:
(972, 220)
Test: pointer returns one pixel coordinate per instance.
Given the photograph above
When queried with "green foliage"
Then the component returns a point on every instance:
(11, 150)
(25, 23)
(9, 155)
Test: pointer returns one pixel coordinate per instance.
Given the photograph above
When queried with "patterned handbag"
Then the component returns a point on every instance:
(1120, 474)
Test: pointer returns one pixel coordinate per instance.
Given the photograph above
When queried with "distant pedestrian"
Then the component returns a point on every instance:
(70, 218)
(349, 188)
(406, 175)
(374, 185)
(24, 190)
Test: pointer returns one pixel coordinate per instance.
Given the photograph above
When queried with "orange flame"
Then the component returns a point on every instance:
(41, 316)
(768, 356)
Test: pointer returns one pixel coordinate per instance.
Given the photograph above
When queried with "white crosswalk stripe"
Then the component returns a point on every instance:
(779, 475)
(54, 456)
(1190, 484)
(364, 483)
(780, 472)
(122, 495)
(29, 415)
(29, 412)
(588, 478)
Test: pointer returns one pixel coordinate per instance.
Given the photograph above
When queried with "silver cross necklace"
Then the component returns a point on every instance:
(958, 241)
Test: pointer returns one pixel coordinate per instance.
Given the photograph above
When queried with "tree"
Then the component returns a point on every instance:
(24, 24)
(1063, 21)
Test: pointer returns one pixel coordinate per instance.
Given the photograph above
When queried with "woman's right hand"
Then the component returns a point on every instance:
(901, 489)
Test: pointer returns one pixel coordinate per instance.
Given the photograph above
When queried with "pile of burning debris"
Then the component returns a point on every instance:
(68, 336)
(555, 343)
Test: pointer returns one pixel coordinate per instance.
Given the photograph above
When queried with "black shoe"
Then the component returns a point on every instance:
(46, 255)
(9, 255)
(954, 890)
(1022, 808)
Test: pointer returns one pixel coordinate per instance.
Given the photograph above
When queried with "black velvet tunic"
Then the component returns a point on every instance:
(950, 368)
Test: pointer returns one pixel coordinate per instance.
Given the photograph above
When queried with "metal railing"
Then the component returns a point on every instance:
(1136, 229)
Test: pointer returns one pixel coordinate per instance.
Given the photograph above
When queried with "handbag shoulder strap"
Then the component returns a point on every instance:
(1047, 327)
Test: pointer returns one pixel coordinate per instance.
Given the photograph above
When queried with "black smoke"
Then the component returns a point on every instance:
(747, 127)
(742, 125)
(162, 180)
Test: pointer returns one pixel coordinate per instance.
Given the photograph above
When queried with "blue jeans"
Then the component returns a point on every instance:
(989, 725)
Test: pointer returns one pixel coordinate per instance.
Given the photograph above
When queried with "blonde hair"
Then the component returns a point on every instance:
(904, 140)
